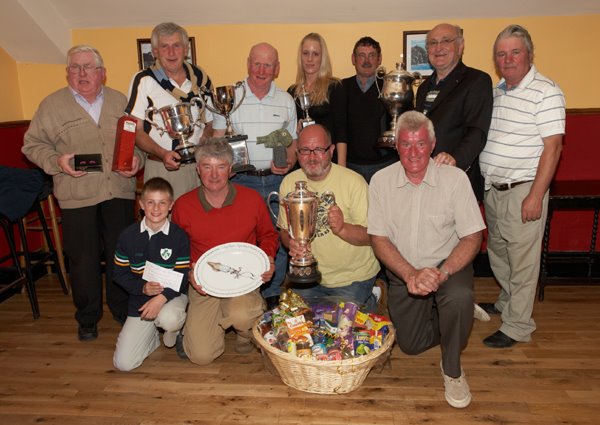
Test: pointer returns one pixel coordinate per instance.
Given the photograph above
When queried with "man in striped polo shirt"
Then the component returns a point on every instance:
(518, 163)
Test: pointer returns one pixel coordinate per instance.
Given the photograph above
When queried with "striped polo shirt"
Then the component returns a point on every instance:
(521, 119)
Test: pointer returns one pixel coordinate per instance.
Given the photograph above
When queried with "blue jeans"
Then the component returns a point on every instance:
(367, 170)
(360, 292)
(265, 185)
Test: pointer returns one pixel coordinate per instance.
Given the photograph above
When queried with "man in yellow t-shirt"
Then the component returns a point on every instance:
(341, 245)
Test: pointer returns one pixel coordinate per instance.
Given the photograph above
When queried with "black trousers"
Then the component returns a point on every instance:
(90, 234)
(443, 318)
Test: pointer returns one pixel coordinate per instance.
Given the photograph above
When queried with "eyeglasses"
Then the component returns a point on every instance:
(316, 151)
(88, 68)
(443, 43)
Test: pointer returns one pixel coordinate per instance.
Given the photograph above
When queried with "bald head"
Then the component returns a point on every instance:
(445, 47)
(315, 152)
(263, 68)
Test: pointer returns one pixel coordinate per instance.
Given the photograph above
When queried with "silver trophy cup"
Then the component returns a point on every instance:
(397, 95)
(179, 124)
(305, 104)
(224, 104)
(301, 207)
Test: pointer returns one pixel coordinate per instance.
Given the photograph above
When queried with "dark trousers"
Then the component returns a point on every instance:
(444, 317)
(90, 234)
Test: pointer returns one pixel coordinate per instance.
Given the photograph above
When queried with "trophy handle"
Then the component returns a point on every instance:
(238, 84)
(328, 198)
(206, 93)
(418, 79)
(201, 106)
(271, 194)
(153, 110)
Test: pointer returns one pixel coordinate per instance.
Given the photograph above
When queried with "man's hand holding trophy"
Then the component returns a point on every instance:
(179, 124)
(301, 208)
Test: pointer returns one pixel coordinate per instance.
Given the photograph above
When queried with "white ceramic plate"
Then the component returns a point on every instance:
(231, 269)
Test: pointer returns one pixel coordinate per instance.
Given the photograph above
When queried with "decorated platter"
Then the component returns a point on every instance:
(231, 269)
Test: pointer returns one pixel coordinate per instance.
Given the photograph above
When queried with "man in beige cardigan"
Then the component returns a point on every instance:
(96, 206)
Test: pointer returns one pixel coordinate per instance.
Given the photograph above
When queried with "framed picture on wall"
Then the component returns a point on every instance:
(146, 59)
(415, 52)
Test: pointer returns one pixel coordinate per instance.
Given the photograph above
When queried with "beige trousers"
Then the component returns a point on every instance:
(514, 250)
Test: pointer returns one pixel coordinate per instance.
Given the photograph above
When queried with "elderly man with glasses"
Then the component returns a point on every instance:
(96, 206)
(341, 245)
(458, 100)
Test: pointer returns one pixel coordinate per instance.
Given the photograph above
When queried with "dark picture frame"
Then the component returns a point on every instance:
(415, 52)
(146, 59)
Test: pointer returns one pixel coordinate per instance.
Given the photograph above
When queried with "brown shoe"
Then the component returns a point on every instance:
(381, 294)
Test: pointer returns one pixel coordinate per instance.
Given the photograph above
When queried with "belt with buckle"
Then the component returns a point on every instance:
(259, 173)
(506, 186)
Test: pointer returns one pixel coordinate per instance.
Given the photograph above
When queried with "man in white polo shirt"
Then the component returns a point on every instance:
(265, 108)
(518, 163)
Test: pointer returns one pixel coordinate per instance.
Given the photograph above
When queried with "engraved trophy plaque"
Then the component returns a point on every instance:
(397, 95)
(224, 104)
(301, 207)
(305, 104)
(179, 124)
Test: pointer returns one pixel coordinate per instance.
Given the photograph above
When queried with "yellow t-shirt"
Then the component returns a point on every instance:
(340, 263)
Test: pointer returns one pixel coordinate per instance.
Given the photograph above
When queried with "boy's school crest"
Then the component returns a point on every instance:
(165, 253)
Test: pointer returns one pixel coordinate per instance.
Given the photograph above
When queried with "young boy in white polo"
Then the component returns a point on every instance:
(151, 262)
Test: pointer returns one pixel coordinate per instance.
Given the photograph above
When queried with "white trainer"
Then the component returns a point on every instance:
(480, 314)
(457, 391)
(169, 339)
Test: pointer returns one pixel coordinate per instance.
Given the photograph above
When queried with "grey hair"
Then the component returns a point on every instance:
(214, 147)
(169, 28)
(517, 31)
(413, 121)
(84, 48)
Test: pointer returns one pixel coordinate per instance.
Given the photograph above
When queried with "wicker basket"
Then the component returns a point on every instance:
(321, 376)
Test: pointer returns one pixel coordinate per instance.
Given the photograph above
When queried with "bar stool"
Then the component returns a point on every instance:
(22, 277)
(43, 257)
(32, 222)
(21, 193)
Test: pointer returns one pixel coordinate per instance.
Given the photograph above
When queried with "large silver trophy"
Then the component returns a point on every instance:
(301, 208)
(305, 104)
(224, 103)
(179, 124)
(397, 95)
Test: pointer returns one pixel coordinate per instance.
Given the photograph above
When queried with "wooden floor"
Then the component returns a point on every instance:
(49, 377)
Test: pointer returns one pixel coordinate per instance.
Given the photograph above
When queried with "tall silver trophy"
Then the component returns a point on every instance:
(224, 104)
(304, 101)
(179, 124)
(397, 95)
(301, 207)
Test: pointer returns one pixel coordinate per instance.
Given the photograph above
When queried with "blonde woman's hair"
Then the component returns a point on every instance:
(325, 75)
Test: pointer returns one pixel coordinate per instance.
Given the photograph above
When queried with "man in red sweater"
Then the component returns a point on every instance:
(219, 212)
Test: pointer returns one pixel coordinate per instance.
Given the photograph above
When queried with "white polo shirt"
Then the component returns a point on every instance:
(258, 117)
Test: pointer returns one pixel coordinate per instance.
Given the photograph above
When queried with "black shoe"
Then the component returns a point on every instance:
(179, 347)
(87, 332)
(272, 302)
(499, 340)
(489, 308)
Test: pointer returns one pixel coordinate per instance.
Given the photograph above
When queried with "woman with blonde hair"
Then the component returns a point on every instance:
(326, 93)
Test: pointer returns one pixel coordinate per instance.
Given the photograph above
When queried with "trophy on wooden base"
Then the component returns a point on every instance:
(224, 104)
